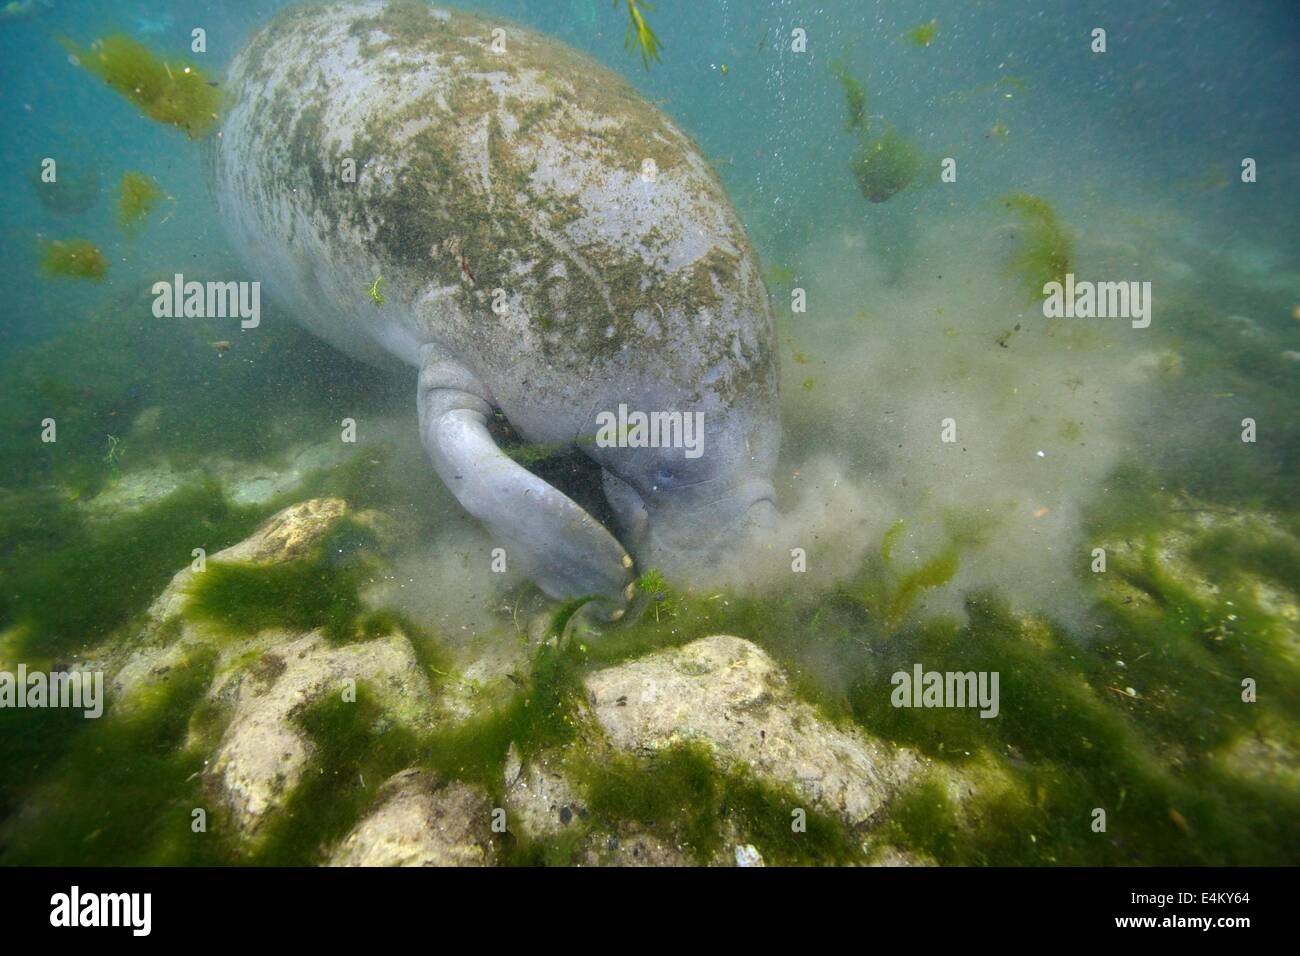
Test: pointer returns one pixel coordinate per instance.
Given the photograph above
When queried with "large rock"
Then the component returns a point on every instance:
(287, 535)
(539, 795)
(264, 682)
(727, 693)
(264, 753)
(418, 822)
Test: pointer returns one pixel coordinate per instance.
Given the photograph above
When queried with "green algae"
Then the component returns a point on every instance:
(356, 749)
(53, 552)
(639, 35)
(138, 195)
(175, 93)
(123, 791)
(73, 259)
(922, 35)
(886, 165)
(319, 591)
(684, 796)
(855, 97)
(1046, 253)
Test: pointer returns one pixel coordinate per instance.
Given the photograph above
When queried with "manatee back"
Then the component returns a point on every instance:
(528, 209)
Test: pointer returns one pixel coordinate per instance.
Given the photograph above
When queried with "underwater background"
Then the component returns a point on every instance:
(1120, 689)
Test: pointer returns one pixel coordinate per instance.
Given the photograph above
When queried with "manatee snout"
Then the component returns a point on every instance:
(682, 542)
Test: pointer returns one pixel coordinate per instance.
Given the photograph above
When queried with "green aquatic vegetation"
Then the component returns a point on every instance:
(52, 554)
(922, 35)
(890, 593)
(886, 165)
(1075, 744)
(113, 457)
(356, 750)
(319, 591)
(890, 539)
(657, 592)
(123, 790)
(639, 35)
(934, 573)
(374, 293)
(1047, 249)
(175, 93)
(73, 259)
(137, 196)
(855, 97)
(683, 795)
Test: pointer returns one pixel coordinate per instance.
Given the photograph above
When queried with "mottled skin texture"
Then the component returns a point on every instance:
(551, 246)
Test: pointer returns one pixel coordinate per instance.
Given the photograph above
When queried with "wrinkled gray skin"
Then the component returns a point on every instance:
(532, 262)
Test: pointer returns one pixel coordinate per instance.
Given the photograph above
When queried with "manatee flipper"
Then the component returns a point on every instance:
(567, 551)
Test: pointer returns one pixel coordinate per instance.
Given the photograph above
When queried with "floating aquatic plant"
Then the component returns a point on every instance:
(136, 198)
(73, 259)
(855, 97)
(922, 35)
(1046, 252)
(886, 165)
(640, 34)
(178, 94)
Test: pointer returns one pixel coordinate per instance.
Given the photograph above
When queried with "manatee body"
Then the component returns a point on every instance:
(550, 246)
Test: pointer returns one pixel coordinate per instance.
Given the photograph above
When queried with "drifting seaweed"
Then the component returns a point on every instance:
(922, 35)
(73, 259)
(137, 196)
(639, 34)
(1046, 253)
(177, 94)
(855, 97)
(886, 165)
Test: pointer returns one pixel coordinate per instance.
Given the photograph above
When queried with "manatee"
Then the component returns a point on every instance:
(552, 248)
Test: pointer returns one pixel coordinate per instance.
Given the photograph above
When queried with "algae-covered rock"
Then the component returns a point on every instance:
(264, 751)
(539, 795)
(266, 681)
(287, 535)
(726, 693)
(418, 820)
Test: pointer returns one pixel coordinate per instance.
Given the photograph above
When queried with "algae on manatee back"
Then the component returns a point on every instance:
(178, 94)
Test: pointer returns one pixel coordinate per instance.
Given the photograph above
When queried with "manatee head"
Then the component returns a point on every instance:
(702, 493)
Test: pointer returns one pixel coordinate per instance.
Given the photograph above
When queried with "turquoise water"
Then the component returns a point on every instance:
(1160, 687)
